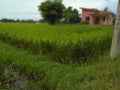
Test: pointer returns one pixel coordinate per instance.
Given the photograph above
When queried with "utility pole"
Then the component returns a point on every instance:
(115, 48)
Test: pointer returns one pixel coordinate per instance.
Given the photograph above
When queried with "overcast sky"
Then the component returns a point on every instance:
(27, 9)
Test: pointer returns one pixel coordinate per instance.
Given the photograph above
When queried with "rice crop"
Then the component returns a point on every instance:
(35, 50)
(64, 43)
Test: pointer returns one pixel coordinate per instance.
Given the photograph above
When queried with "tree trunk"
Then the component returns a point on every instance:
(115, 48)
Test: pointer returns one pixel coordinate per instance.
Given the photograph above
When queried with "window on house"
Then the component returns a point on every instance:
(87, 18)
(104, 18)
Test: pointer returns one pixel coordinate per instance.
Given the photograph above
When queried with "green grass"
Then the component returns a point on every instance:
(65, 43)
(35, 67)
(102, 74)
(35, 50)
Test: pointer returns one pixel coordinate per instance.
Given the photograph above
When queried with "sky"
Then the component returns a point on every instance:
(28, 9)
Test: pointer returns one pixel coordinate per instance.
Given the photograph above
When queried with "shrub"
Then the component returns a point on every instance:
(84, 22)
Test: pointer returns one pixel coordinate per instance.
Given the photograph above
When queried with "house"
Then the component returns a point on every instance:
(94, 16)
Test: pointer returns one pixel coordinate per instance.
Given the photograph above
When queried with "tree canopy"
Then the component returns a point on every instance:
(106, 9)
(52, 10)
(71, 15)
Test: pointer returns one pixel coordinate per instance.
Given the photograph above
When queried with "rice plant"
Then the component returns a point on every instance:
(65, 43)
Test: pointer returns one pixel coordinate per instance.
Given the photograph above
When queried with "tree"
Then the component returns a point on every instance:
(75, 17)
(115, 48)
(7, 20)
(106, 9)
(52, 10)
(71, 15)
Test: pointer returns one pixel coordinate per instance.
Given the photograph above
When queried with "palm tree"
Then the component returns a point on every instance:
(115, 48)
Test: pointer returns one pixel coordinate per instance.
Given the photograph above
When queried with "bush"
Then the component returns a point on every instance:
(84, 22)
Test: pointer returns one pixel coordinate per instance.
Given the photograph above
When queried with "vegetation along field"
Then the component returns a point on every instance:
(60, 57)
(64, 43)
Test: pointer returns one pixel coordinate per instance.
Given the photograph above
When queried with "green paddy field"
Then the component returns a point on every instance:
(59, 57)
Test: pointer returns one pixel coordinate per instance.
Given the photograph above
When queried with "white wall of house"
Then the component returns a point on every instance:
(107, 20)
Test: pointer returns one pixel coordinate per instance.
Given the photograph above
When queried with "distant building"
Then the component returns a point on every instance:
(94, 16)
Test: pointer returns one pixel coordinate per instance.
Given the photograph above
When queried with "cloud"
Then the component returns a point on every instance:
(27, 9)
(99, 4)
